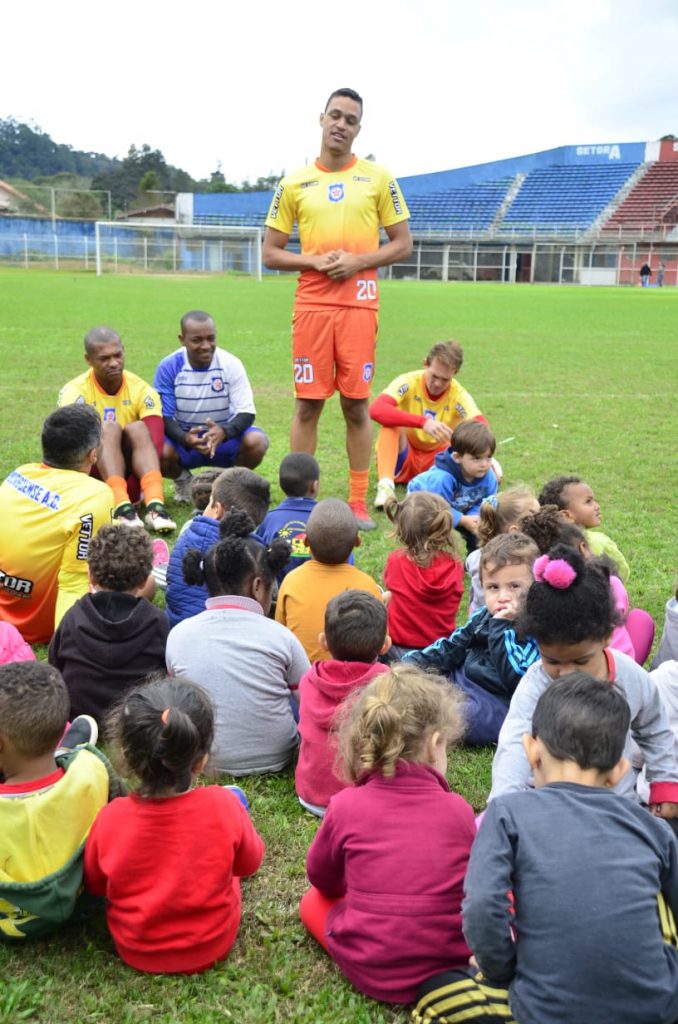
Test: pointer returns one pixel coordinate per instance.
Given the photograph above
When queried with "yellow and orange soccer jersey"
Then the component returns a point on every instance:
(48, 516)
(134, 401)
(337, 210)
(453, 406)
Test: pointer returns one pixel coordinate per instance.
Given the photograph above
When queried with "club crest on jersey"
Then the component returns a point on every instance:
(368, 370)
(148, 402)
(335, 193)
(108, 415)
(217, 384)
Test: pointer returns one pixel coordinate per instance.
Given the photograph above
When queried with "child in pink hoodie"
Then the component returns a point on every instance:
(355, 635)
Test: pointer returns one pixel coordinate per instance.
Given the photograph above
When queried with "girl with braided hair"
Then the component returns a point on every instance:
(387, 865)
(249, 664)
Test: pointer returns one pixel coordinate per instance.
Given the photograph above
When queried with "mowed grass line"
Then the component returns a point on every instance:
(572, 380)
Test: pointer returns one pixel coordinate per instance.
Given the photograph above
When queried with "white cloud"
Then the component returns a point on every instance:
(445, 82)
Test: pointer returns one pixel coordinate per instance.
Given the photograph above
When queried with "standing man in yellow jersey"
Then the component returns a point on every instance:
(49, 513)
(417, 413)
(339, 204)
(133, 429)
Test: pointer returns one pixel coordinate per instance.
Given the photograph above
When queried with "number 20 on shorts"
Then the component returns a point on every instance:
(303, 371)
(366, 290)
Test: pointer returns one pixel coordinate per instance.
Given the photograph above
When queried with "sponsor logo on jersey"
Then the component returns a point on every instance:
(85, 536)
(368, 371)
(309, 184)
(395, 196)
(18, 586)
(335, 193)
(360, 177)
(460, 410)
(403, 389)
(217, 384)
(148, 402)
(108, 415)
(275, 205)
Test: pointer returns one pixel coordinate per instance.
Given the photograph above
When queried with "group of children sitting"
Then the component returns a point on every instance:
(282, 650)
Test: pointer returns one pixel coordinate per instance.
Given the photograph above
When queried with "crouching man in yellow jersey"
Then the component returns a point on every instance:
(49, 512)
(339, 204)
(133, 430)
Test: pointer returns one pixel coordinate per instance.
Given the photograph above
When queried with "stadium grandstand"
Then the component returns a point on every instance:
(588, 214)
(577, 214)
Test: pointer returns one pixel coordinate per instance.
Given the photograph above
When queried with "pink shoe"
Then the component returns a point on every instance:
(161, 553)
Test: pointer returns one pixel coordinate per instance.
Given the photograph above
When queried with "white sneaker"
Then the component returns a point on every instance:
(385, 491)
(158, 520)
(126, 515)
(182, 488)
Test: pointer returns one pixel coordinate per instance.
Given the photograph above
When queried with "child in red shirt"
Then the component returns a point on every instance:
(425, 577)
(169, 857)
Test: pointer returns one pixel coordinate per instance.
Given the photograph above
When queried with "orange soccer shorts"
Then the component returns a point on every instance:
(333, 350)
(413, 461)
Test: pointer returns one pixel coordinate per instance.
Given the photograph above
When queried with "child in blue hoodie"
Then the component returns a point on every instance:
(463, 476)
(236, 488)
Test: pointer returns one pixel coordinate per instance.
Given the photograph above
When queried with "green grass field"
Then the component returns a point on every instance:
(572, 380)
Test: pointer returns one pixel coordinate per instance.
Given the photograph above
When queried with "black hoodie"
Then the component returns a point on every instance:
(104, 644)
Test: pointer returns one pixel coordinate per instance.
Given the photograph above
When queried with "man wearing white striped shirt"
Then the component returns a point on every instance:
(207, 406)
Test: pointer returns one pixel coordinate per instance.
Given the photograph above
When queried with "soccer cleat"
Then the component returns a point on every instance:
(182, 488)
(82, 729)
(126, 515)
(385, 491)
(359, 510)
(158, 520)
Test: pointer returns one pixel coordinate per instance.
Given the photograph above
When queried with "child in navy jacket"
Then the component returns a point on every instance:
(486, 658)
(299, 478)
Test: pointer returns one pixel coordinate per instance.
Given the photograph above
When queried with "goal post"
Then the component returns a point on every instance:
(177, 248)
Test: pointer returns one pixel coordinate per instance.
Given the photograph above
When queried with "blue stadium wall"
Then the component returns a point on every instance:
(248, 207)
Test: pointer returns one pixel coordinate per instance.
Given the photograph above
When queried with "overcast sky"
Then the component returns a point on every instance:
(446, 82)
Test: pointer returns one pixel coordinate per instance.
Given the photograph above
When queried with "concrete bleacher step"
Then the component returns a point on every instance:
(507, 201)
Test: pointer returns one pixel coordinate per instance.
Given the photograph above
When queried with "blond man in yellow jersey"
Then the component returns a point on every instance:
(339, 204)
(49, 512)
(417, 413)
(133, 429)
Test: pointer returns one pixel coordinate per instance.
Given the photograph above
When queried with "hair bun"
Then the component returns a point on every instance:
(556, 572)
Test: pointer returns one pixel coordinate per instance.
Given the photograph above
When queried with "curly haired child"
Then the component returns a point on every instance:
(425, 576)
(577, 503)
(111, 638)
(387, 865)
(635, 632)
(569, 610)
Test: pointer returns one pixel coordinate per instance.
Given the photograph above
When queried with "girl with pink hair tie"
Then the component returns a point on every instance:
(570, 611)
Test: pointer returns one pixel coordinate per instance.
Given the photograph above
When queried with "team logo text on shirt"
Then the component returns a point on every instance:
(18, 586)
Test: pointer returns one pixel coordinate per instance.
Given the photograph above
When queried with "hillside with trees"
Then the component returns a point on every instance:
(33, 163)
